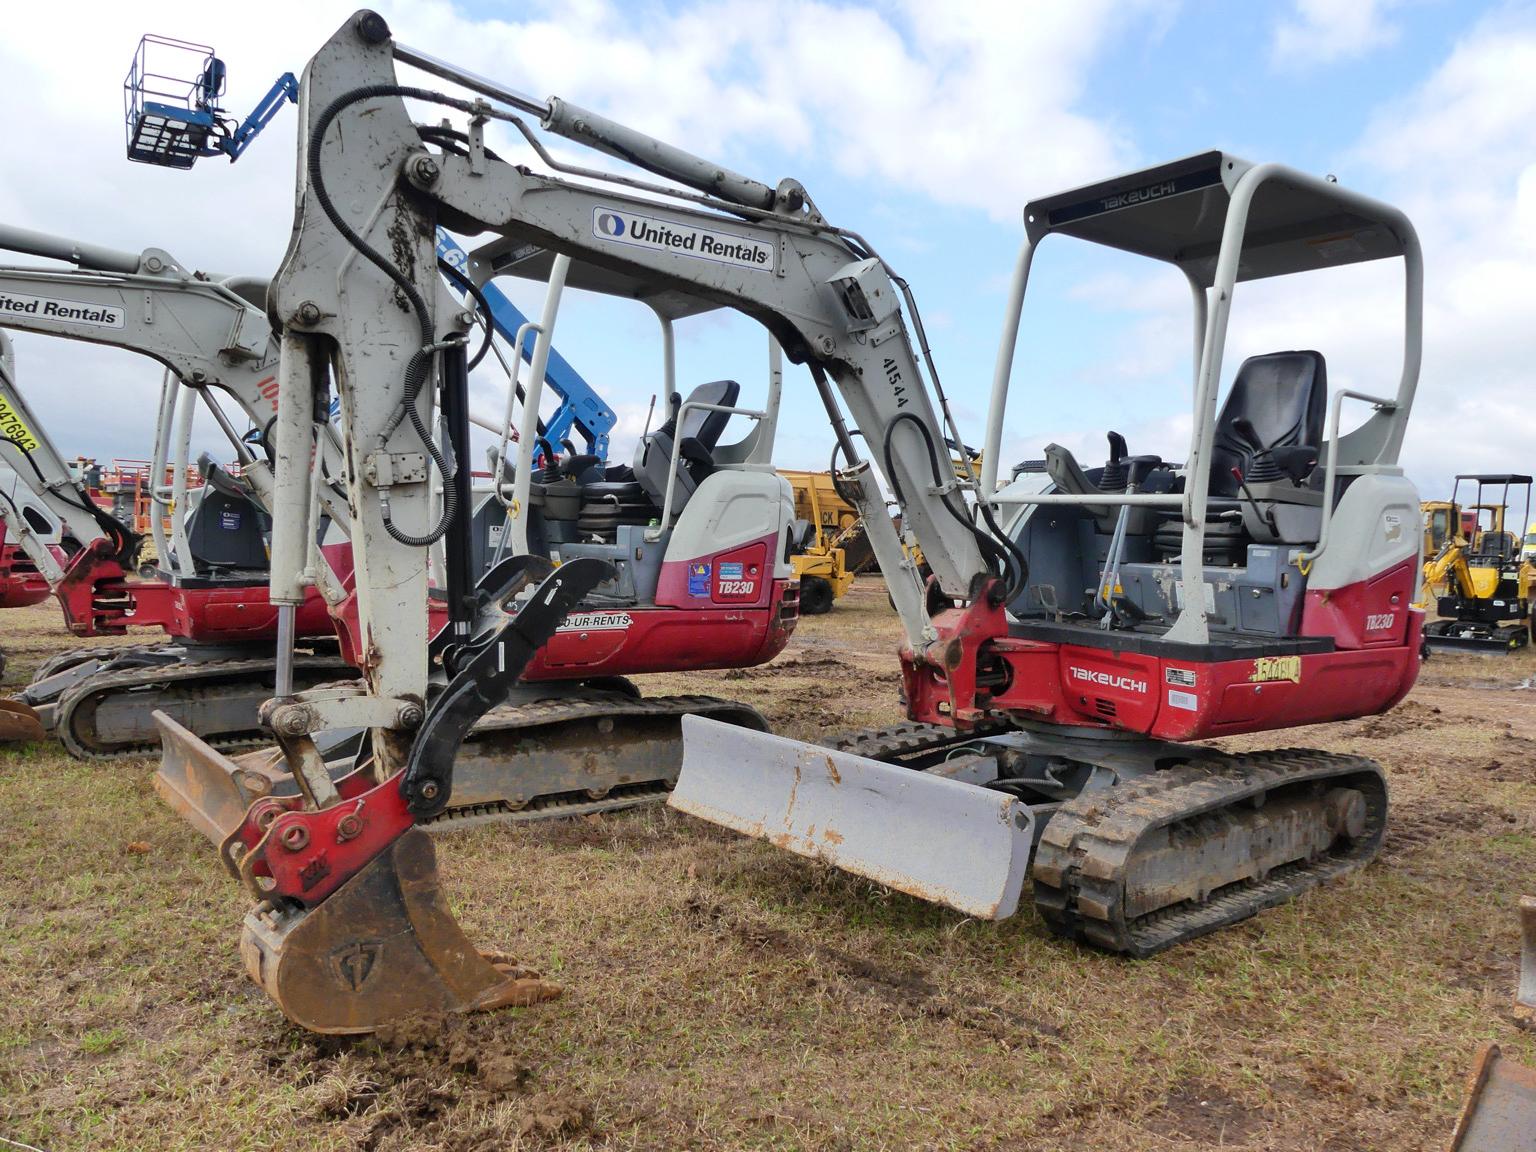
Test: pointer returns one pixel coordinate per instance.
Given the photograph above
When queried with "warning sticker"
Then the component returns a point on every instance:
(14, 429)
(730, 571)
(698, 578)
(1185, 700)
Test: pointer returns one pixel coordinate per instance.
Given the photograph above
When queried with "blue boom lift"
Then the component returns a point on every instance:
(173, 120)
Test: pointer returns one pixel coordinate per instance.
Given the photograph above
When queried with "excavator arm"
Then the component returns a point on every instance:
(211, 334)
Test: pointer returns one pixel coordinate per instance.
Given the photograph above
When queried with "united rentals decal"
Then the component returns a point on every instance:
(620, 226)
(50, 309)
(596, 622)
(1267, 669)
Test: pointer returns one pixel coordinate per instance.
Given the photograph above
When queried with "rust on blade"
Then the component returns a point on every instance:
(206, 788)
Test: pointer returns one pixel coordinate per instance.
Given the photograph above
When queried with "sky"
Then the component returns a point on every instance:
(926, 127)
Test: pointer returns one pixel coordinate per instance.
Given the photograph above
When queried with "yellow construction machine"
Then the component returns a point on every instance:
(832, 547)
(1487, 583)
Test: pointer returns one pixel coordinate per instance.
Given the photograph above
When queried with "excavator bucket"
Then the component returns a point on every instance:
(1500, 1112)
(934, 838)
(385, 945)
(19, 724)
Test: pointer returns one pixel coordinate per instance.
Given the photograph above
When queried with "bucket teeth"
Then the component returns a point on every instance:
(383, 947)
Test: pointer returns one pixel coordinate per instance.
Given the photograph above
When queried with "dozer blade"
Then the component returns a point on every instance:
(1500, 1112)
(931, 837)
(19, 724)
(384, 946)
(1526, 996)
(205, 787)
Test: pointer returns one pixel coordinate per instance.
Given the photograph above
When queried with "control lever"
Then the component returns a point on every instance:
(1136, 473)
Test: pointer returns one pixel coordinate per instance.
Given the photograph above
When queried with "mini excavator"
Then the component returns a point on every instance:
(1489, 582)
(1055, 673)
(209, 592)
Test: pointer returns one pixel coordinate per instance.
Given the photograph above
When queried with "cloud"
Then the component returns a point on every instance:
(972, 108)
(1454, 153)
(1323, 31)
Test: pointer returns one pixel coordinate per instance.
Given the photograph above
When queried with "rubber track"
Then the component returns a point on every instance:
(80, 655)
(583, 712)
(912, 737)
(1084, 859)
(87, 746)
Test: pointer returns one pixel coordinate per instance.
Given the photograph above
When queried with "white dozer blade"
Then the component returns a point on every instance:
(934, 838)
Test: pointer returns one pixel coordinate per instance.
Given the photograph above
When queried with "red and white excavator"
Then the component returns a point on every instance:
(1056, 672)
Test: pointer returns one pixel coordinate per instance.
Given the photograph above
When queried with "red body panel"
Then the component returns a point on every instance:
(701, 619)
(1167, 697)
(99, 600)
(1370, 614)
(21, 584)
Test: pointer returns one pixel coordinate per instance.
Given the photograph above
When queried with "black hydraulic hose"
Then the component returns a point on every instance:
(125, 541)
(418, 367)
(481, 303)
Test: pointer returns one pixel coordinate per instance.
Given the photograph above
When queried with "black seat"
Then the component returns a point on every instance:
(225, 530)
(697, 435)
(1284, 396)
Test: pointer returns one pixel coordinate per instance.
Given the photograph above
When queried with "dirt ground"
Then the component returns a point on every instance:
(721, 994)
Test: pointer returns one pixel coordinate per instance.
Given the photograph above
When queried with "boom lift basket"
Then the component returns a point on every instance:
(170, 116)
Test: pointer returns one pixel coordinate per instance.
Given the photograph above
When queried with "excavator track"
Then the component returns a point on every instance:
(182, 691)
(1112, 867)
(914, 738)
(599, 752)
(58, 663)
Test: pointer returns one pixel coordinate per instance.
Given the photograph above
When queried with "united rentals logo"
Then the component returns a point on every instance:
(70, 310)
(1268, 669)
(1107, 680)
(659, 235)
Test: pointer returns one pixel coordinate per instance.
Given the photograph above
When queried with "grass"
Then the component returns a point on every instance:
(721, 994)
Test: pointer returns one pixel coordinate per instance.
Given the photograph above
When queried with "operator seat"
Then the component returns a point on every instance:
(225, 529)
(1284, 396)
(642, 487)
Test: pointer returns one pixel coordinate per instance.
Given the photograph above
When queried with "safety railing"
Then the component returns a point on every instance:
(753, 414)
(1331, 469)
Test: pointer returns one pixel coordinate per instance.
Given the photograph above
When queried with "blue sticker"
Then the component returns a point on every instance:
(698, 578)
(230, 521)
(730, 571)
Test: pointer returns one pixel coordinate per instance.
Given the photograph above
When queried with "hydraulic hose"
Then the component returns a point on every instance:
(418, 367)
